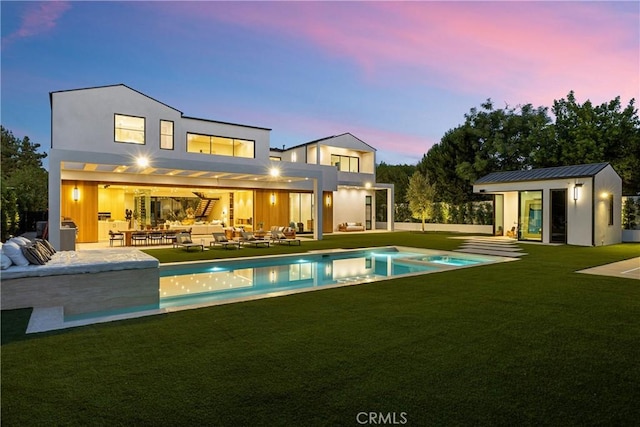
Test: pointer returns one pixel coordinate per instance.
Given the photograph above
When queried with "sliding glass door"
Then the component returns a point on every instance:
(530, 217)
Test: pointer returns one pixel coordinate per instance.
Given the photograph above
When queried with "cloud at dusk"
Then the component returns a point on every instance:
(539, 48)
(39, 18)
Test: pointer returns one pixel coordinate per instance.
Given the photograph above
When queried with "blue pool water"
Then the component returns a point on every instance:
(233, 279)
(206, 283)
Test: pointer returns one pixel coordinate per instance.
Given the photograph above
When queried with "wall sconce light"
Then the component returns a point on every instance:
(75, 194)
(328, 201)
(576, 191)
(272, 199)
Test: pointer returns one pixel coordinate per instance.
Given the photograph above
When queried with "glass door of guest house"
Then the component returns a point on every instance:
(530, 215)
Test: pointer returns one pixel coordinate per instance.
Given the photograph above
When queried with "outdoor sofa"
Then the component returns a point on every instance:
(81, 281)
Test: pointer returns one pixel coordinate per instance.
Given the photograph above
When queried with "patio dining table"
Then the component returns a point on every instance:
(129, 232)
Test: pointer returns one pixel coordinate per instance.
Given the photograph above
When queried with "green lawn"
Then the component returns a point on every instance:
(521, 343)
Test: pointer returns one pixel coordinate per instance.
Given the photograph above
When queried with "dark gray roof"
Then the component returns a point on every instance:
(560, 172)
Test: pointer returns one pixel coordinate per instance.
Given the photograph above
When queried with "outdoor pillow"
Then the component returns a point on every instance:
(33, 256)
(42, 250)
(13, 251)
(5, 262)
(20, 241)
(48, 245)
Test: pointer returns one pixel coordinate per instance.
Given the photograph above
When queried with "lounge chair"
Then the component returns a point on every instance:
(280, 238)
(250, 239)
(184, 240)
(220, 239)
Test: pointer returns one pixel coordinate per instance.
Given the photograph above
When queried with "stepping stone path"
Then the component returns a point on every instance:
(491, 246)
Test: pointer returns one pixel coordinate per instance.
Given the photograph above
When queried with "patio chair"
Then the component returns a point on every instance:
(156, 237)
(139, 237)
(117, 236)
(184, 240)
(220, 239)
(171, 237)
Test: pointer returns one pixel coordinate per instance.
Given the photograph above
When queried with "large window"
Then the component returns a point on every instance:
(129, 129)
(166, 135)
(346, 163)
(219, 146)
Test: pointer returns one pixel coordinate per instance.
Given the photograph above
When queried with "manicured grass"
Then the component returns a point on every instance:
(520, 343)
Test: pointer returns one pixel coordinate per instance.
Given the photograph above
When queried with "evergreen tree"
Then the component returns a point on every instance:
(23, 181)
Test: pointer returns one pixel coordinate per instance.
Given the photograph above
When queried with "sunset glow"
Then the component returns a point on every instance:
(396, 74)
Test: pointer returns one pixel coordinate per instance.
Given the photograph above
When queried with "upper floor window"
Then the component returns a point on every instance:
(166, 134)
(275, 158)
(219, 145)
(346, 163)
(129, 129)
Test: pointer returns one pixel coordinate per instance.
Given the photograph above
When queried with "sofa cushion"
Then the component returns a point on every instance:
(5, 261)
(32, 254)
(42, 249)
(20, 241)
(47, 245)
(13, 251)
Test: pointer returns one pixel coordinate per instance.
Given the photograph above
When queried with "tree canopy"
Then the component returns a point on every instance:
(23, 181)
(525, 137)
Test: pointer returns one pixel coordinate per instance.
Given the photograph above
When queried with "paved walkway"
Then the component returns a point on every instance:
(628, 269)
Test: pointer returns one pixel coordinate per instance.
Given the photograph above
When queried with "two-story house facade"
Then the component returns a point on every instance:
(120, 159)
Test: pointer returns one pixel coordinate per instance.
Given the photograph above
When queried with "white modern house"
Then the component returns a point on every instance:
(116, 151)
(577, 205)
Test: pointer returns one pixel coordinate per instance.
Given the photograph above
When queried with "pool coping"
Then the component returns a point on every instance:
(44, 319)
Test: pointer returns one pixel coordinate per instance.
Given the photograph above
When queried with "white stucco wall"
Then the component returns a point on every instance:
(84, 120)
(348, 206)
(607, 182)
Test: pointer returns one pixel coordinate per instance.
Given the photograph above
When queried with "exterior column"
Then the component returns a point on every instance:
(390, 208)
(319, 204)
(55, 199)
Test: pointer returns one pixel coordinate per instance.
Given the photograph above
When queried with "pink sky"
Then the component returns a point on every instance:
(533, 51)
(395, 74)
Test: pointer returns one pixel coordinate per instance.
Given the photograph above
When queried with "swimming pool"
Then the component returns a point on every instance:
(185, 286)
(237, 279)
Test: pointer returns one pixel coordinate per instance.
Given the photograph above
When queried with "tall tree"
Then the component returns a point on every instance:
(24, 181)
(420, 195)
(604, 133)
(489, 140)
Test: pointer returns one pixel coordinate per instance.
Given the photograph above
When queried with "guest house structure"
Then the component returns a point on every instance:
(577, 205)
